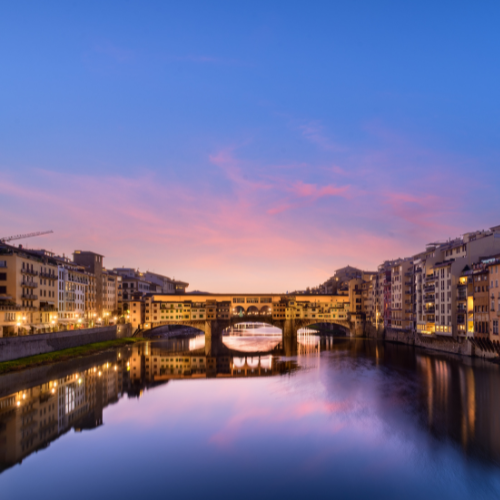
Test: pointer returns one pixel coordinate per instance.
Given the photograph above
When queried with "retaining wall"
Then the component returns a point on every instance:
(30, 345)
(451, 345)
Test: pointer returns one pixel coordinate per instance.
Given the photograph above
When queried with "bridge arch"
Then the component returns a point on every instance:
(305, 323)
(151, 330)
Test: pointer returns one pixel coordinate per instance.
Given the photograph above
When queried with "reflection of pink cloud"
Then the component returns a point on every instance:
(319, 406)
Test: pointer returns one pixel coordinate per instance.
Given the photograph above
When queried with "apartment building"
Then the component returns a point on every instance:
(73, 283)
(137, 284)
(402, 295)
(91, 300)
(93, 264)
(444, 285)
(481, 301)
(165, 284)
(28, 292)
(133, 287)
(110, 286)
(493, 266)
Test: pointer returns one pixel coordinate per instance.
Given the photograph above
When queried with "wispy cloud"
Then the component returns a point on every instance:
(314, 133)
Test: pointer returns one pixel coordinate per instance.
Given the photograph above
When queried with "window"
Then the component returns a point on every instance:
(3, 289)
(495, 327)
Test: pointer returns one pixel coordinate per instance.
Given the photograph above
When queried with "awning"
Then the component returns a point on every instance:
(40, 326)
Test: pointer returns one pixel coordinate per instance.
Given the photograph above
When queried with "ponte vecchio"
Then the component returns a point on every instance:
(213, 313)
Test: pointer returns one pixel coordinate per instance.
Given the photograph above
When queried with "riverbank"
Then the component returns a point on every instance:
(474, 348)
(65, 354)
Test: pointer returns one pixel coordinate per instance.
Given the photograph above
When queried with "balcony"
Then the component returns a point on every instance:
(48, 275)
(429, 288)
(26, 296)
(29, 284)
(29, 272)
(430, 310)
(430, 278)
(48, 309)
(461, 296)
(409, 283)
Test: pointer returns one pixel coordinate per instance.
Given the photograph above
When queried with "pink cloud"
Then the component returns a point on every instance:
(271, 229)
(313, 191)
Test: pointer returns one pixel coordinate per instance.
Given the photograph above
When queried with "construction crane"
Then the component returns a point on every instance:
(22, 236)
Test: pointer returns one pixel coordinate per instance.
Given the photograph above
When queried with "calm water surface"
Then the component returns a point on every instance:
(341, 419)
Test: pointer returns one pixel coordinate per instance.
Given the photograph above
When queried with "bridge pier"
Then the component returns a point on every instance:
(289, 336)
(213, 336)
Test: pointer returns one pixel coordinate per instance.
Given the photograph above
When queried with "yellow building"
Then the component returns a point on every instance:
(28, 292)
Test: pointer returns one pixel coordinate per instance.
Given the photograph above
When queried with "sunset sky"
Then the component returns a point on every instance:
(248, 146)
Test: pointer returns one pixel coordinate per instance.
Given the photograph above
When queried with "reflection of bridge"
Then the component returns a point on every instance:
(213, 313)
(152, 363)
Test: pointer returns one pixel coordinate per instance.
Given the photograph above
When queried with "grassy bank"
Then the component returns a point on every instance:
(64, 355)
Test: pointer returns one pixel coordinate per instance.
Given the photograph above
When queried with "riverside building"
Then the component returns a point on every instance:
(28, 291)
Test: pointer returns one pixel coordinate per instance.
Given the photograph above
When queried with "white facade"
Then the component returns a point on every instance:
(71, 287)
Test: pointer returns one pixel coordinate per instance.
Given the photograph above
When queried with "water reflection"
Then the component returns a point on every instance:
(365, 398)
(161, 361)
(33, 416)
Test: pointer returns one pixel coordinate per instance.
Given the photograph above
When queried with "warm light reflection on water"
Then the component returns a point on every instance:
(344, 418)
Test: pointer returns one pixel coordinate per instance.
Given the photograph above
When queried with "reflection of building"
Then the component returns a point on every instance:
(150, 364)
(460, 401)
(30, 419)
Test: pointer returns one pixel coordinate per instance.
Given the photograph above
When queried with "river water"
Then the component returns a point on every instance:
(340, 419)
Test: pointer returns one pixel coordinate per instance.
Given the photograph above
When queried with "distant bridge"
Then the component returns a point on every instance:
(213, 313)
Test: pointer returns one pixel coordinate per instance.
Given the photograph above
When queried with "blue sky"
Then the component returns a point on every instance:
(208, 139)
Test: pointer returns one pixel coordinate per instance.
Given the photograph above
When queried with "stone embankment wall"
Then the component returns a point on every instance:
(460, 346)
(30, 345)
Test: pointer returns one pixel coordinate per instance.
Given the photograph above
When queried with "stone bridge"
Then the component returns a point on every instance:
(214, 313)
